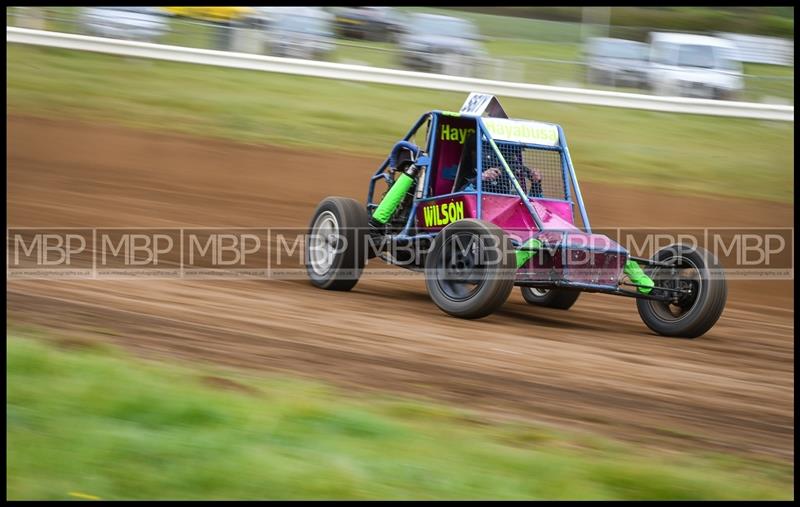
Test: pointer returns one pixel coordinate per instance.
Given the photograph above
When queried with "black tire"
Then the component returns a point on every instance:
(696, 313)
(561, 299)
(490, 268)
(340, 268)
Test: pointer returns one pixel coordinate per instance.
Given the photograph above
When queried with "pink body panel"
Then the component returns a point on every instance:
(576, 256)
(561, 209)
(506, 211)
(573, 254)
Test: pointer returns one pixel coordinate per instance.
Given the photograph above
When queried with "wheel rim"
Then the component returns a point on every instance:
(538, 292)
(685, 276)
(323, 242)
(459, 273)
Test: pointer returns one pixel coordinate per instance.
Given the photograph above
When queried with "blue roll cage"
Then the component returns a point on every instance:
(568, 172)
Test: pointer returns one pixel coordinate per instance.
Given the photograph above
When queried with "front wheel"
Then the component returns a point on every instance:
(561, 299)
(335, 244)
(469, 271)
(699, 285)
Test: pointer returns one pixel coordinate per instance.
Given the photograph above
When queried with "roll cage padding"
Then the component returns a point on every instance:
(398, 147)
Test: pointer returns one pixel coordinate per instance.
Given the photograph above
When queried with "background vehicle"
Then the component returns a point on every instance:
(436, 43)
(694, 66)
(380, 24)
(301, 32)
(475, 242)
(135, 23)
(616, 62)
(217, 14)
(292, 32)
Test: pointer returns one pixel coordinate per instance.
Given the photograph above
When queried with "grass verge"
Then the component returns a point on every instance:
(686, 154)
(89, 422)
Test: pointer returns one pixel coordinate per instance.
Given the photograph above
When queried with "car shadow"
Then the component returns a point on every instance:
(511, 312)
(530, 314)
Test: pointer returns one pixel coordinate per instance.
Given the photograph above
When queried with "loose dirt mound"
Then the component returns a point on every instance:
(595, 367)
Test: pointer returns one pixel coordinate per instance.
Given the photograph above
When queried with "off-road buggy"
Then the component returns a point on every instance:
(481, 203)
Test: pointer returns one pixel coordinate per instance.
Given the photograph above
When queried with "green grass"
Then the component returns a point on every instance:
(766, 82)
(537, 62)
(87, 420)
(376, 54)
(686, 154)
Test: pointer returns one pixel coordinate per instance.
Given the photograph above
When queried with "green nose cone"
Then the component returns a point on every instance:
(527, 250)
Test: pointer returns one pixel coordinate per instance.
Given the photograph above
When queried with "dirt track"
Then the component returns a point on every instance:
(595, 367)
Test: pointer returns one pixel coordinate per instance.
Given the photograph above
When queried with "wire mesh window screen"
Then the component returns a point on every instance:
(538, 171)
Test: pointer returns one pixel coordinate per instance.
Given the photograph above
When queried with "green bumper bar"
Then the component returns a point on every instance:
(637, 276)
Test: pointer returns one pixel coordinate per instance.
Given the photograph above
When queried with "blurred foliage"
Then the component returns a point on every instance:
(775, 21)
(87, 421)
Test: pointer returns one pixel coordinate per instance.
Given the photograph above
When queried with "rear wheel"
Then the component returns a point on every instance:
(470, 269)
(335, 244)
(702, 298)
(552, 298)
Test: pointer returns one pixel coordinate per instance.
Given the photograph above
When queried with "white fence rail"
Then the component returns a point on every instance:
(759, 49)
(399, 77)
